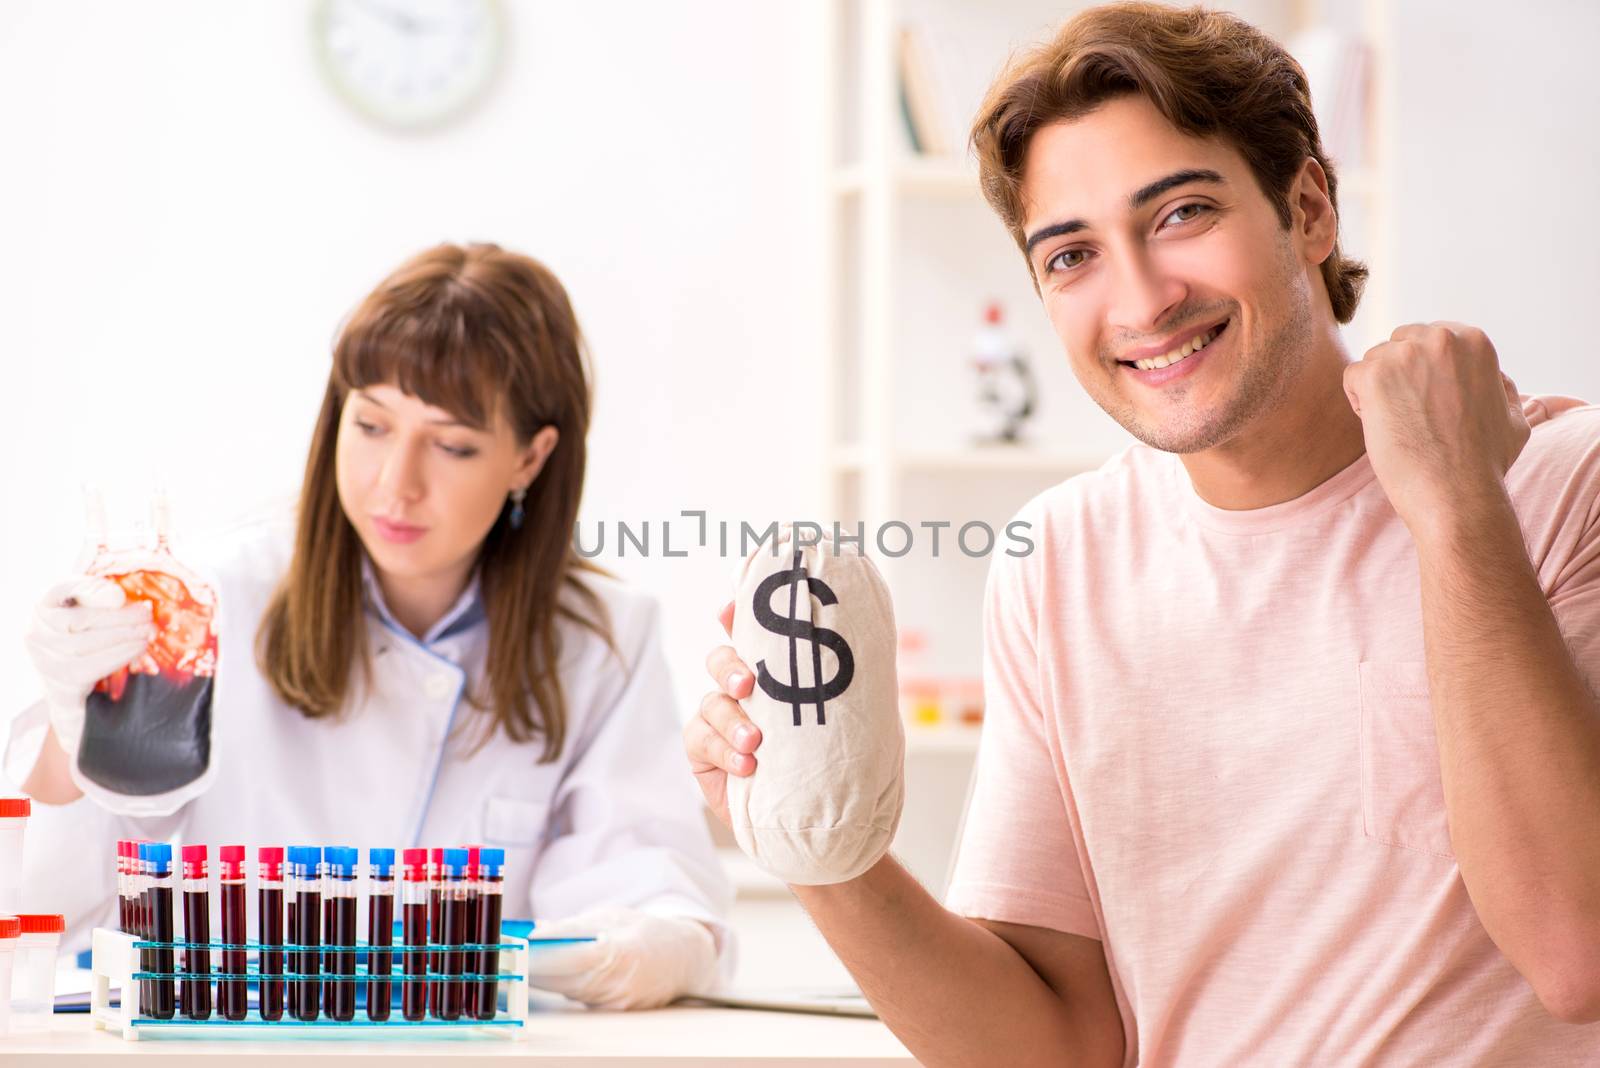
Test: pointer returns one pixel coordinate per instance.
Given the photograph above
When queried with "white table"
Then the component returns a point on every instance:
(679, 1037)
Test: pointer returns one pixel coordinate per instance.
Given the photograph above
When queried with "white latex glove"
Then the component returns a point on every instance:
(638, 961)
(83, 630)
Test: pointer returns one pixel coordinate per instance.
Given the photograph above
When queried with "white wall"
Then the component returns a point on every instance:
(1497, 147)
(186, 212)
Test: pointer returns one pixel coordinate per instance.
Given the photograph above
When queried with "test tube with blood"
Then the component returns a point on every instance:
(291, 927)
(487, 933)
(141, 921)
(341, 933)
(196, 932)
(414, 929)
(160, 930)
(269, 920)
(469, 999)
(435, 927)
(453, 916)
(124, 919)
(232, 994)
(380, 932)
(307, 932)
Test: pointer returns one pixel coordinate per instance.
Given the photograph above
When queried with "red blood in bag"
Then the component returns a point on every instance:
(147, 727)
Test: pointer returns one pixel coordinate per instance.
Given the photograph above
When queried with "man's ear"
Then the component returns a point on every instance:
(1316, 226)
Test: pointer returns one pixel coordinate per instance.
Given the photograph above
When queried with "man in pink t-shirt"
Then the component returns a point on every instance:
(1292, 748)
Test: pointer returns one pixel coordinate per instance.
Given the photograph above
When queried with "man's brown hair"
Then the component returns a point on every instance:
(476, 330)
(1210, 73)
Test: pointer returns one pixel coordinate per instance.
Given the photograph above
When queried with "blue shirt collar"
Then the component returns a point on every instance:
(466, 613)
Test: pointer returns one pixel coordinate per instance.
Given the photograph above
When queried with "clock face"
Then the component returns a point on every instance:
(409, 63)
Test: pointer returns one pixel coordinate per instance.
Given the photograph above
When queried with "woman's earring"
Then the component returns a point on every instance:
(517, 514)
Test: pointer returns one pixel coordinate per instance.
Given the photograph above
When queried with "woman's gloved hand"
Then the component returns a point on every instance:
(638, 960)
(83, 630)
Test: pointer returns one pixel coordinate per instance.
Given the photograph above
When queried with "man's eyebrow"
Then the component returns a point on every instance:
(1138, 199)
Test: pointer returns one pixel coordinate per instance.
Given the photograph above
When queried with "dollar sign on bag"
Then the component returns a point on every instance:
(798, 629)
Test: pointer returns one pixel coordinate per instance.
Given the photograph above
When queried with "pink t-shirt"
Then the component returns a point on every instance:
(1208, 745)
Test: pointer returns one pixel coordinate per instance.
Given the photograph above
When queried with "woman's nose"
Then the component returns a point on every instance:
(401, 473)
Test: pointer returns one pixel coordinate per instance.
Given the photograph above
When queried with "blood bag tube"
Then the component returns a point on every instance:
(435, 927)
(196, 932)
(307, 933)
(162, 995)
(490, 865)
(269, 922)
(340, 896)
(453, 917)
(414, 930)
(469, 996)
(380, 932)
(232, 994)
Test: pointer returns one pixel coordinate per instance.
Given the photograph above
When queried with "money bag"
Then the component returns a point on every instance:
(814, 622)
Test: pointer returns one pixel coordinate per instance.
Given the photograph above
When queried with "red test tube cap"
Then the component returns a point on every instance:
(14, 807)
(10, 927)
(271, 858)
(42, 923)
(415, 862)
(230, 854)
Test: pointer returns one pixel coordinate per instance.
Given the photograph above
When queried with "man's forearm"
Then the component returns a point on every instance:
(1519, 748)
(951, 990)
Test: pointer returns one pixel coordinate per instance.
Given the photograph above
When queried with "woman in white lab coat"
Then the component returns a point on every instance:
(417, 656)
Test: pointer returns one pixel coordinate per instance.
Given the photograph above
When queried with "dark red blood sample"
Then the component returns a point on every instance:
(197, 930)
(488, 934)
(454, 919)
(270, 921)
(435, 960)
(414, 994)
(291, 925)
(380, 932)
(232, 994)
(342, 993)
(310, 936)
(162, 995)
(469, 963)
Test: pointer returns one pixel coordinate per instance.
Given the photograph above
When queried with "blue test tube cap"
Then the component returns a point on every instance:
(161, 857)
(342, 860)
(456, 860)
(382, 861)
(490, 861)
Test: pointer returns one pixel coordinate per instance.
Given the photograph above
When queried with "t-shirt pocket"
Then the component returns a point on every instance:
(1402, 792)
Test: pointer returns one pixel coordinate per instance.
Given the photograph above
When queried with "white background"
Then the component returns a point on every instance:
(186, 212)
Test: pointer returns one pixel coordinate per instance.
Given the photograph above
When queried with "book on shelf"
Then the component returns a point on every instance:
(919, 98)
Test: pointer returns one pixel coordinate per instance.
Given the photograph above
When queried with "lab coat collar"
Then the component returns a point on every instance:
(466, 613)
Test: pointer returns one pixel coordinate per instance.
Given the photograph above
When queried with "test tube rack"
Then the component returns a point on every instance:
(115, 964)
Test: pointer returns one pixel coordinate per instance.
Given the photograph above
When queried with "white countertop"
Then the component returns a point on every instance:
(673, 1036)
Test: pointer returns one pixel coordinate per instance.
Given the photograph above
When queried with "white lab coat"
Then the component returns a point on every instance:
(615, 820)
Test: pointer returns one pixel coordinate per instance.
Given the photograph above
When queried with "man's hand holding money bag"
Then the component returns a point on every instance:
(810, 681)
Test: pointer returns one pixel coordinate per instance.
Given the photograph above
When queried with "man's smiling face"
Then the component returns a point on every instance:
(1143, 240)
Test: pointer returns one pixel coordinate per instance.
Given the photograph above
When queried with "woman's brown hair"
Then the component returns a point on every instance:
(480, 332)
(1210, 73)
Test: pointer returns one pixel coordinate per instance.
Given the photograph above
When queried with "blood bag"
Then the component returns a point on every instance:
(147, 727)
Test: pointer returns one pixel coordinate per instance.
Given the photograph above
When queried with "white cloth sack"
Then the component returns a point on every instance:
(816, 625)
